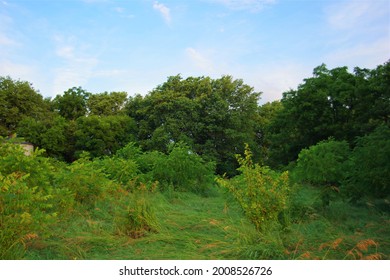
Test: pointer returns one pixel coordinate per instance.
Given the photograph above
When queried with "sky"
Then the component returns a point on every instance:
(134, 45)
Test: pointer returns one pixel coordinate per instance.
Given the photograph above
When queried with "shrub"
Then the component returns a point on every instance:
(129, 152)
(26, 213)
(184, 170)
(117, 169)
(41, 171)
(323, 165)
(84, 180)
(262, 193)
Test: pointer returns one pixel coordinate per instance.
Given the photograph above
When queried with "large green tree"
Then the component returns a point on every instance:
(72, 104)
(215, 117)
(103, 135)
(332, 103)
(18, 99)
(55, 135)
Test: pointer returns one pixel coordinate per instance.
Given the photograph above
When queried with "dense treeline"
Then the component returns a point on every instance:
(214, 117)
(330, 137)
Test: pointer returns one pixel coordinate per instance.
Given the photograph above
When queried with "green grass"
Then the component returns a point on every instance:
(193, 227)
(190, 227)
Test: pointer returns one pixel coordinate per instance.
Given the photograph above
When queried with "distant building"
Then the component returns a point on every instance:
(28, 147)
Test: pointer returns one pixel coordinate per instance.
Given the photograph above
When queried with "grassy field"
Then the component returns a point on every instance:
(188, 227)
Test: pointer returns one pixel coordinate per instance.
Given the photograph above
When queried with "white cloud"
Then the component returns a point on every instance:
(164, 11)
(199, 60)
(119, 10)
(77, 65)
(367, 55)
(249, 5)
(6, 41)
(351, 14)
(272, 79)
(123, 13)
(16, 71)
(65, 52)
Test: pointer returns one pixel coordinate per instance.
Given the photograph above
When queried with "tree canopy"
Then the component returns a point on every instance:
(214, 117)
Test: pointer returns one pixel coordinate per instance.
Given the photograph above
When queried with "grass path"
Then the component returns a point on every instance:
(191, 227)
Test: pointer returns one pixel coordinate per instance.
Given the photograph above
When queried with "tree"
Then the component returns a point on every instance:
(332, 103)
(72, 104)
(103, 135)
(54, 135)
(18, 99)
(266, 114)
(106, 104)
(214, 117)
(369, 166)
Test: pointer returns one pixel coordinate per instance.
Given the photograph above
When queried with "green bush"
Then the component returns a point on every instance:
(40, 169)
(117, 169)
(262, 193)
(324, 165)
(184, 170)
(84, 180)
(129, 152)
(26, 213)
(369, 166)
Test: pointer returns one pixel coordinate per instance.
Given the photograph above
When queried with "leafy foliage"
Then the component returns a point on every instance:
(106, 104)
(184, 170)
(214, 117)
(117, 169)
(332, 103)
(87, 183)
(25, 214)
(103, 135)
(262, 193)
(369, 166)
(324, 163)
(18, 99)
(72, 104)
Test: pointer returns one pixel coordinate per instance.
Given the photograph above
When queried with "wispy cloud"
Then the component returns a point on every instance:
(249, 5)
(199, 60)
(360, 32)
(368, 54)
(6, 41)
(119, 10)
(15, 70)
(164, 11)
(123, 13)
(77, 66)
(352, 13)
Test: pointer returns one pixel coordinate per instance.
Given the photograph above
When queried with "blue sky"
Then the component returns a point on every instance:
(134, 45)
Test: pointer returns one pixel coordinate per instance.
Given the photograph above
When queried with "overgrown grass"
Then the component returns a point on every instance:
(189, 227)
(195, 227)
(45, 215)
